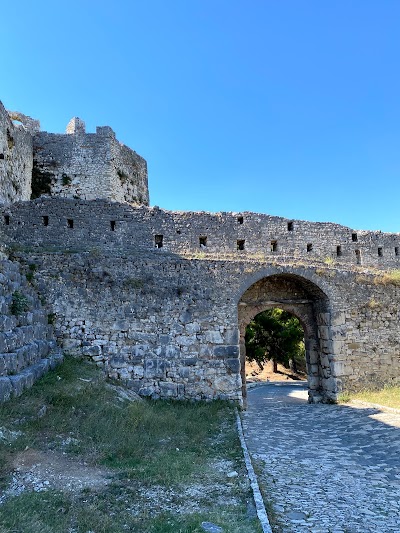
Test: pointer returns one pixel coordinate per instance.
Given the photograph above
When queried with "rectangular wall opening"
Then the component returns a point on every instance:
(338, 251)
(240, 244)
(290, 226)
(354, 237)
(240, 220)
(45, 219)
(396, 251)
(158, 241)
(70, 223)
(202, 242)
(112, 225)
(274, 246)
(309, 247)
(380, 251)
(358, 256)
(7, 220)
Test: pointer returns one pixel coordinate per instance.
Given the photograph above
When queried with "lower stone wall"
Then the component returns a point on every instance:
(168, 327)
(27, 344)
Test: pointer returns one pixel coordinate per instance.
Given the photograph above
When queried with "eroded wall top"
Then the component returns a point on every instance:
(15, 157)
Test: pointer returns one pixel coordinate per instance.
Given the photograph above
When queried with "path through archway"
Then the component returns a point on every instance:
(305, 300)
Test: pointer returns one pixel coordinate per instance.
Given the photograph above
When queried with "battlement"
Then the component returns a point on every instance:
(119, 228)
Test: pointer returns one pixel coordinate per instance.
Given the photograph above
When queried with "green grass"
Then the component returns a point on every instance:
(389, 396)
(167, 446)
(55, 512)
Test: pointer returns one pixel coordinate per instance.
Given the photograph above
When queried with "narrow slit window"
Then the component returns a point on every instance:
(354, 237)
(112, 225)
(158, 241)
(380, 251)
(290, 226)
(339, 252)
(274, 246)
(45, 220)
(240, 220)
(240, 245)
(7, 220)
(309, 247)
(70, 223)
(358, 257)
(396, 251)
(203, 242)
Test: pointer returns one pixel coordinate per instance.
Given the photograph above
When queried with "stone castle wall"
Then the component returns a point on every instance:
(15, 160)
(166, 315)
(27, 343)
(88, 166)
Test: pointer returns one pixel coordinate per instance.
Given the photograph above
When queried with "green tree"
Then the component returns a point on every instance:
(278, 336)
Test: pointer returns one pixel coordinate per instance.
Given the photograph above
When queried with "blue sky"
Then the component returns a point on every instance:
(286, 107)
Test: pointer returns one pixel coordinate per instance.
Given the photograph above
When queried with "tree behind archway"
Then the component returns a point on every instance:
(275, 335)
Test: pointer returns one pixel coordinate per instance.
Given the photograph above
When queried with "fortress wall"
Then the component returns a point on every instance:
(164, 320)
(89, 166)
(27, 344)
(15, 160)
(81, 225)
(168, 327)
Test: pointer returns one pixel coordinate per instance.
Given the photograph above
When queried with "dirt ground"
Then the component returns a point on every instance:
(255, 374)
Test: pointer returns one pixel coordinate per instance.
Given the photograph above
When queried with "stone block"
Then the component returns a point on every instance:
(155, 368)
(146, 391)
(226, 351)
(233, 365)
(91, 351)
(190, 361)
(214, 337)
(19, 383)
(6, 389)
(323, 332)
(168, 390)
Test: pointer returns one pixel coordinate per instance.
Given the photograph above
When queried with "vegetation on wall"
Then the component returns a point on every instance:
(19, 303)
(41, 181)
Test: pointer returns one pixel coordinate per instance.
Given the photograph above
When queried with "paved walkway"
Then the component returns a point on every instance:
(327, 468)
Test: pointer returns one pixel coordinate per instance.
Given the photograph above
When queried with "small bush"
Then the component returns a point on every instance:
(19, 303)
(66, 180)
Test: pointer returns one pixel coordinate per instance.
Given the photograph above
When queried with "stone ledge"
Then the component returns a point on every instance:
(13, 386)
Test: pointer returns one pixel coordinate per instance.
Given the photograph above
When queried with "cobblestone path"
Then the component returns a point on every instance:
(326, 468)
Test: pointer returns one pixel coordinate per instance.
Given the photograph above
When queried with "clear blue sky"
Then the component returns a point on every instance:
(286, 107)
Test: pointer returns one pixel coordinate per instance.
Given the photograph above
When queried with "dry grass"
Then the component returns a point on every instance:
(389, 397)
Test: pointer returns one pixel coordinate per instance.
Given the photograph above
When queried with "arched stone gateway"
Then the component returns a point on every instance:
(311, 305)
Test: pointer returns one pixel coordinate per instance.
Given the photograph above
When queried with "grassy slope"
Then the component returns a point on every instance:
(168, 446)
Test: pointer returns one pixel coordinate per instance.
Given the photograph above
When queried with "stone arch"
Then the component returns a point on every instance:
(305, 299)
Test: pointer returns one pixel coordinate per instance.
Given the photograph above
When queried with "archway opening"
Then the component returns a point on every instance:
(275, 347)
(306, 301)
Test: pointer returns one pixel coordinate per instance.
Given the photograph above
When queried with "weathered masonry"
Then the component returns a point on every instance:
(161, 299)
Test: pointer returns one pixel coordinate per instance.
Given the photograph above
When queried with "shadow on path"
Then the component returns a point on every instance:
(326, 468)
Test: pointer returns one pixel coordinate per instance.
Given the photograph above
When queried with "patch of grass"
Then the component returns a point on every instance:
(146, 447)
(57, 512)
(392, 277)
(388, 396)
